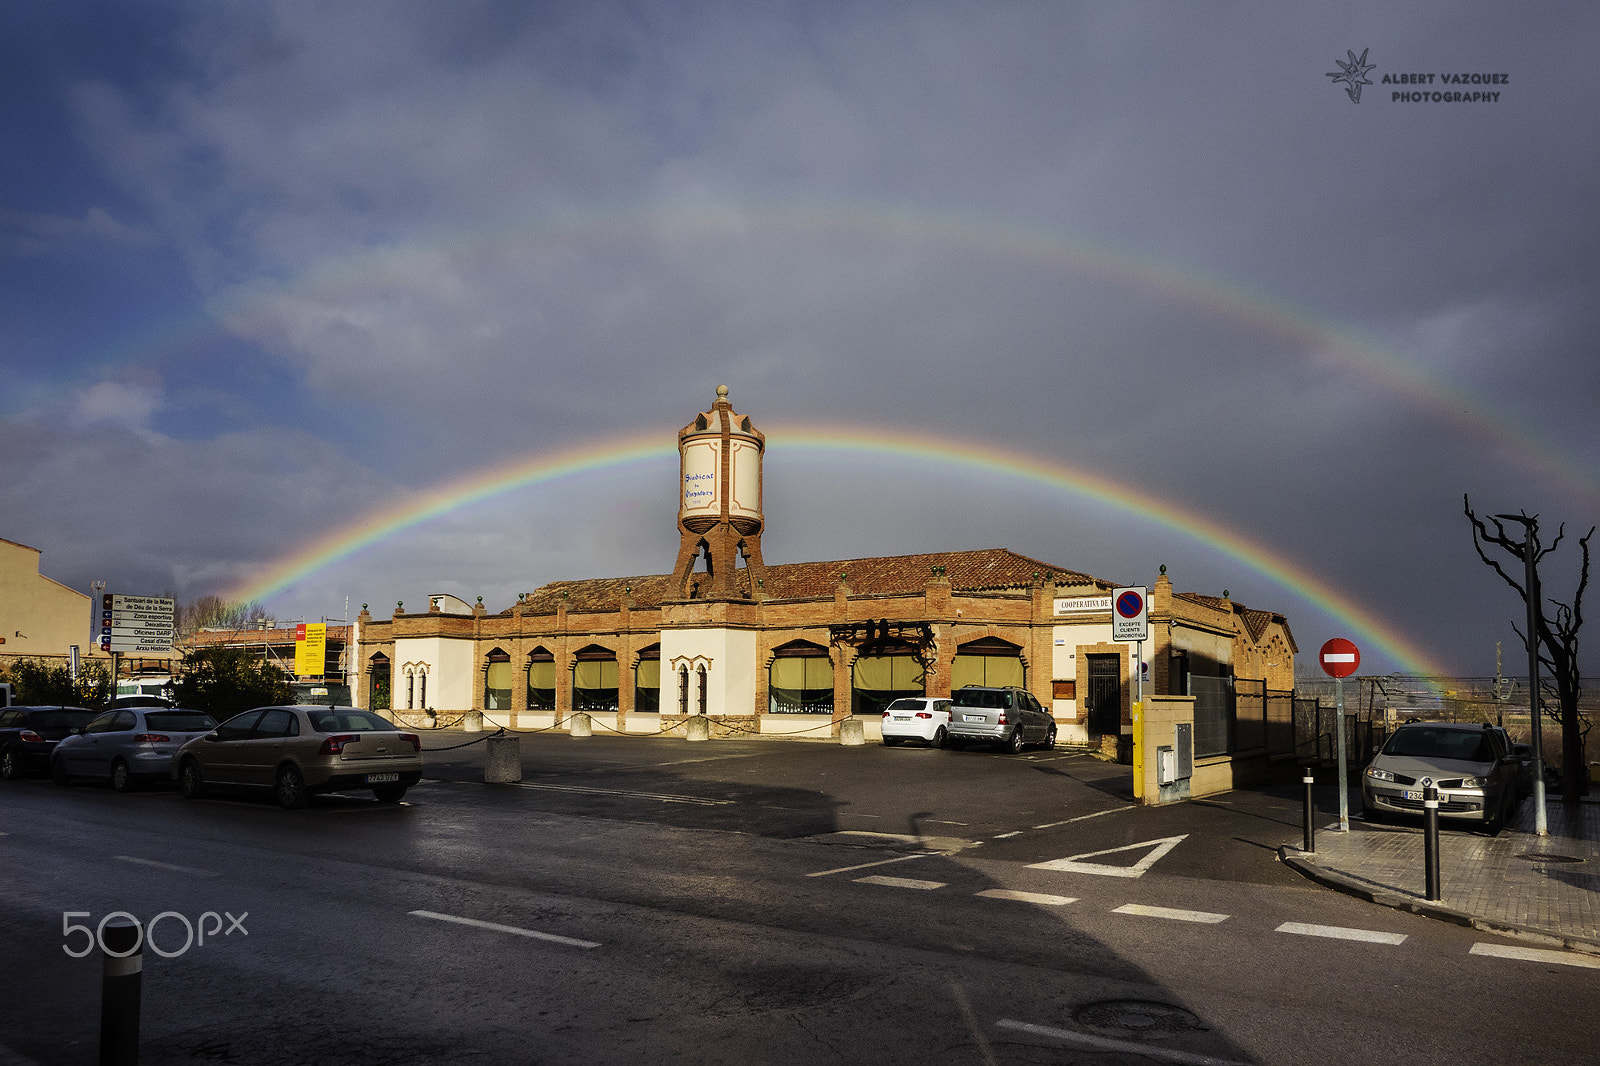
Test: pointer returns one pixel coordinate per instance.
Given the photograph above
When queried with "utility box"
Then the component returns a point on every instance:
(1166, 766)
(1183, 741)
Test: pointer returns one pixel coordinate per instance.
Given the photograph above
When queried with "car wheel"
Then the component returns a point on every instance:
(389, 793)
(291, 790)
(9, 767)
(939, 738)
(1016, 743)
(121, 779)
(1050, 739)
(190, 784)
(58, 772)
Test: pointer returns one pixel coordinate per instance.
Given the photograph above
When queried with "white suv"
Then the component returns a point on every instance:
(916, 718)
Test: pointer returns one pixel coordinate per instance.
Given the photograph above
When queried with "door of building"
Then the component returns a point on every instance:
(1104, 704)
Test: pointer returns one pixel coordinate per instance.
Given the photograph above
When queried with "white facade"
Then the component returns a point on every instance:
(446, 663)
(728, 657)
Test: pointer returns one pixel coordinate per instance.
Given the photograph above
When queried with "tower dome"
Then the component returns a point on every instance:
(719, 504)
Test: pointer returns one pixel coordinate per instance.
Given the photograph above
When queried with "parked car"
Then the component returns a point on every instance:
(1008, 716)
(300, 750)
(916, 718)
(127, 745)
(29, 734)
(1470, 765)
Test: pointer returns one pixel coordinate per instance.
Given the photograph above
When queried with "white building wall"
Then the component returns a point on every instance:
(1067, 640)
(449, 663)
(729, 656)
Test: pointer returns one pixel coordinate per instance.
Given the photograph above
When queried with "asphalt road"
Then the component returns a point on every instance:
(643, 901)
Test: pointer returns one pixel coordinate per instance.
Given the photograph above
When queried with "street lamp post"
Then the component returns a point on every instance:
(1531, 580)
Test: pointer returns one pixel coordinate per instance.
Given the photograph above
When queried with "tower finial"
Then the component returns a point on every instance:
(722, 392)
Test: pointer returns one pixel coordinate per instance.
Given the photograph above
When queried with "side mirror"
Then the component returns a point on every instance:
(210, 736)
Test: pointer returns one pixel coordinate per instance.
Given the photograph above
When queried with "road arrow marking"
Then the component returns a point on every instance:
(1076, 864)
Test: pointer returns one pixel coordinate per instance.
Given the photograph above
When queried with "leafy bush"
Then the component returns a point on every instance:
(40, 683)
(224, 682)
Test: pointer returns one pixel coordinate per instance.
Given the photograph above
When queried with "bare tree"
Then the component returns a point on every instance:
(1557, 637)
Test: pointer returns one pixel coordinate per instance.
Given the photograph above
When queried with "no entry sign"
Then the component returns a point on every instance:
(1339, 657)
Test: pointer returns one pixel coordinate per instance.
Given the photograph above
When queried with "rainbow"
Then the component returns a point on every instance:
(252, 311)
(852, 441)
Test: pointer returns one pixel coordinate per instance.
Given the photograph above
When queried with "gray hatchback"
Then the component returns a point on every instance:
(126, 745)
(1470, 765)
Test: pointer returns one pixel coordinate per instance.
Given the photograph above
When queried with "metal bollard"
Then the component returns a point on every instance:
(1430, 839)
(121, 981)
(1309, 777)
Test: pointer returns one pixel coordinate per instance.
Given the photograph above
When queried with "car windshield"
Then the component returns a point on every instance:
(979, 697)
(181, 721)
(67, 718)
(1465, 745)
(906, 705)
(346, 721)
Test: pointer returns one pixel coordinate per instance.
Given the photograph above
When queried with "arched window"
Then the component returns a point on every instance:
(647, 681)
(988, 661)
(884, 671)
(378, 691)
(702, 672)
(800, 679)
(594, 680)
(497, 681)
(541, 680)
(683, 691)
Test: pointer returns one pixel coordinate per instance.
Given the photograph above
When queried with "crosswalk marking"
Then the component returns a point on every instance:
(1371, 936)
(1512, 951)
(1205, 917)
(1028, 897)
(899, 882)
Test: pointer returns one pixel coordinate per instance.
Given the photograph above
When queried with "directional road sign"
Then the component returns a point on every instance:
(1130, 615)
(1339, 657)
(137, 624)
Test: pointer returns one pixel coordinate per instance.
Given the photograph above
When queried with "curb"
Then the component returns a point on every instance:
(1296, 860)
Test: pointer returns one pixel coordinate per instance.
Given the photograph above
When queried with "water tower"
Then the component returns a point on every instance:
(719, 506)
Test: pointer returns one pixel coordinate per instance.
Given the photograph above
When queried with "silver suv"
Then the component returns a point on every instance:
(1009, 716)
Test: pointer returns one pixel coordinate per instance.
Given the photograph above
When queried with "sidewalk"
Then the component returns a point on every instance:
(1514, 882)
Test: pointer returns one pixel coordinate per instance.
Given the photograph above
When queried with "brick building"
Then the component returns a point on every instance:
(797, 647)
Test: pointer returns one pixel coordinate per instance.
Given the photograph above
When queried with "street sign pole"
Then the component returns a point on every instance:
(1339, 660)
(1344, 778)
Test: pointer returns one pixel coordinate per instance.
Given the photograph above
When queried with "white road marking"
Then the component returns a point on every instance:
(900, 882)
(1563, 958)
(1028, 897)
(1334, 932)
(166, 866)
(1076, 863)
(1176, 915)
(664, 797)
(498, 928)
(1016, 833)
(1083, 817)
(867, 865)
(1103, 1043)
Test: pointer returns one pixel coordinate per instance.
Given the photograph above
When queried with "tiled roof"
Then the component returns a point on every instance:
(1255, 622)
(989, 569)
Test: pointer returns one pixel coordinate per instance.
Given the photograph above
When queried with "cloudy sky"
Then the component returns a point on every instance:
(270, 270)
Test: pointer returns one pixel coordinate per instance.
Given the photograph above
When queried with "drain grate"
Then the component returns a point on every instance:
(1123, 1016)
(1534, 856)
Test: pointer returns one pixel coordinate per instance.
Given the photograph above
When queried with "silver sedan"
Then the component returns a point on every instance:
(299, 750)
(127, 745)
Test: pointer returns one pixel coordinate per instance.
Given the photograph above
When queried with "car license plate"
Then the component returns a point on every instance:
(972, 718)
(1413, 795)
(902, 718)
(381, 779)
